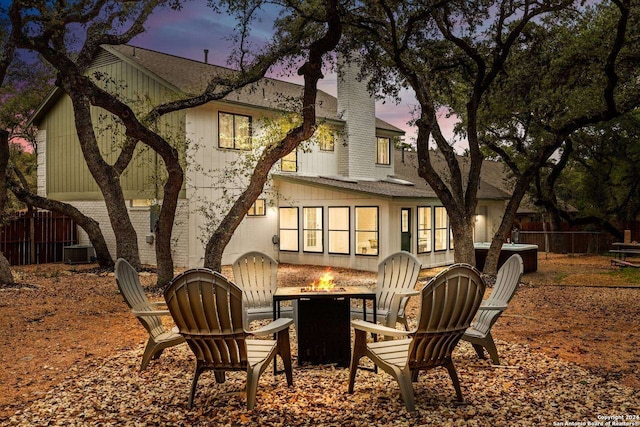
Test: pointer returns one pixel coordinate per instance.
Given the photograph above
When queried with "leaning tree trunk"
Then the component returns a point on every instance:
(172, 187)
(5, 268)
(106, 177)
(505, 227)
(89, 225)
(312, 72)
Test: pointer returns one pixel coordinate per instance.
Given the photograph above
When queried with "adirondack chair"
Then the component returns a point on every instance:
(256, 274)
(449, 302)
(479, 333)
(146, 312)
(208, 311)
(397, 277)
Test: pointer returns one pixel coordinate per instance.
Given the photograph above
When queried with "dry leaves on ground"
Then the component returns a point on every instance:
(531, 389)
(71, 352)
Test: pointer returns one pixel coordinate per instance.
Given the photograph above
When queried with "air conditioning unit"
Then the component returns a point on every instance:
(78, 254)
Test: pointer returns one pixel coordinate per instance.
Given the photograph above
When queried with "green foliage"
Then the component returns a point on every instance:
(603, 180)
(27, 164)
(628, 275)
(553, 96)
(25, 86)
(555, 74)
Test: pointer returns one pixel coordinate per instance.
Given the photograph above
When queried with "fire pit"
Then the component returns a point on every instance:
(324, 314)
(324, 284)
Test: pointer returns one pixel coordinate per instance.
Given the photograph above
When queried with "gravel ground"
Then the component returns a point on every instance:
(528, 389)
(97, 381)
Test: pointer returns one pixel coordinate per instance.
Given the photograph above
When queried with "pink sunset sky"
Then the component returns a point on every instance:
(196, 27)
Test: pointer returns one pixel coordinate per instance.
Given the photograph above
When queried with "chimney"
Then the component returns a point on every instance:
(206, 56)
(357, 108)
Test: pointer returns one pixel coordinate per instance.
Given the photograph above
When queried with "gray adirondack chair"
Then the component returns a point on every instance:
(449, 302)
(479, 333)
(208, 311)
(397, 277)
(256, 274)
(148, 313)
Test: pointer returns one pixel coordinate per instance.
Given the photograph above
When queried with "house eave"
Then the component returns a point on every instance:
(145, 70)
(252, 107)
(358, 186)
(294, 179)
(51, 97)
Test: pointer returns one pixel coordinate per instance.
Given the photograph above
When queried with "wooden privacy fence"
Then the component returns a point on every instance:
(574, 242)
(36, 238)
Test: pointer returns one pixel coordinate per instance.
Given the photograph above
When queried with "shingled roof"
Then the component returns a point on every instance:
(406, 183)
(190, 78)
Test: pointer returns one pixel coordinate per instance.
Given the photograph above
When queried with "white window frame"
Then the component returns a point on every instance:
(425, 231)
(442, 244)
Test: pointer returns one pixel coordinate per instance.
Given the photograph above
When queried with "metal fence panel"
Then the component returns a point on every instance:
(36, 238)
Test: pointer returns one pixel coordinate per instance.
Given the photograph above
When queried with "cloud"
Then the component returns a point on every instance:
(196, 27)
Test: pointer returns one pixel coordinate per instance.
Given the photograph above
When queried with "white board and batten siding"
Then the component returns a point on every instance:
(317, 162)
(206, 165)
(295, 195)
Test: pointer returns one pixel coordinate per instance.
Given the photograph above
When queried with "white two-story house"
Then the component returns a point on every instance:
(346, 198)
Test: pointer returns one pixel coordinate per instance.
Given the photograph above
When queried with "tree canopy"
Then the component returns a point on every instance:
(567, 78)
(69, 35)
(521, 76)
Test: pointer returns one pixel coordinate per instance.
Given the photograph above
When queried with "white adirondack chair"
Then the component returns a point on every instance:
(148, 313)
(256, 274)
(449, 302)
(479, 333)
(208, 311)
(397, 278)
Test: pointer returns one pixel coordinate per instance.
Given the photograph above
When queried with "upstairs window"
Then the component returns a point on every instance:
(234, 131)
(383, 151)
(289, 163)
(326, 140)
